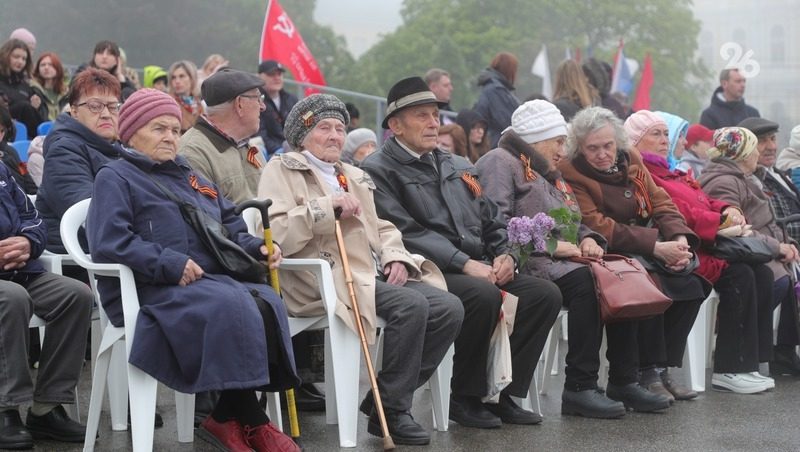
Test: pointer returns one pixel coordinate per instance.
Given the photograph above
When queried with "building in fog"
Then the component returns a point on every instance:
(770, 29)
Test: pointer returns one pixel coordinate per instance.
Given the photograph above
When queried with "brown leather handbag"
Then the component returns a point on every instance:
(624, 289)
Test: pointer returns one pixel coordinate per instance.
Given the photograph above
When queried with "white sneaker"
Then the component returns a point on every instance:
(741, 383)
(769, 381)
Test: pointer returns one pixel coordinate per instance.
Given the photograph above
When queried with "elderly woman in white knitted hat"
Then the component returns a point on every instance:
(520, 176)
(358, 145)
(310, 187)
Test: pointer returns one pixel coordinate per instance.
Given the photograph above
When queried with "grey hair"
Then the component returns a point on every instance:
(433, 75)
(590, 120)
(219, 109)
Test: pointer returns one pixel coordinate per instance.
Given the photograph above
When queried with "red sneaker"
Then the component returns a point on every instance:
(267, 438)
(227, 435)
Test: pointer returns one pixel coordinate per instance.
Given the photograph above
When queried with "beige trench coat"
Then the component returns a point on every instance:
(302, 222)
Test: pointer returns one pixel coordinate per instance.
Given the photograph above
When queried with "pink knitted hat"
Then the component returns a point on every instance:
(141, 107)
(637, 125)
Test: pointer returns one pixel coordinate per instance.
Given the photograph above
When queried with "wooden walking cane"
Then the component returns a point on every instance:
(263, 207)
(387, 439)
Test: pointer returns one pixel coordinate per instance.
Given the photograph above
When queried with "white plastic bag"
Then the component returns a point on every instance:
(498, 365)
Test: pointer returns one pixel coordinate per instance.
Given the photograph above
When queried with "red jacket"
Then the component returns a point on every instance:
(702, 213)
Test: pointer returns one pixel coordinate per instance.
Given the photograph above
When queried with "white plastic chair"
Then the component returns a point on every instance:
(343, 355)
(141, 386)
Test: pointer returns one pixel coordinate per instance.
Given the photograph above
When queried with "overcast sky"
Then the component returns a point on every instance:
(361, 22)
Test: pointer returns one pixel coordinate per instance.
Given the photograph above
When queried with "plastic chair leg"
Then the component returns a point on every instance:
(102, 362)
(345, 359)
(440, 391)
(118, 388)
(184, 408)
(143, 408)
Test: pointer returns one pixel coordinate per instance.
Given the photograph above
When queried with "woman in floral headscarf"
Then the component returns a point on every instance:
(734, 158)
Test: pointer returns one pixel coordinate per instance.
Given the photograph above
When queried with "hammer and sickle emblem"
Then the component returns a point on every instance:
(285, 25)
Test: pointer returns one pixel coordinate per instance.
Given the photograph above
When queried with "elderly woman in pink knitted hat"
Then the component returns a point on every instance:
(520, 176)
(745, 289)
(199, 329)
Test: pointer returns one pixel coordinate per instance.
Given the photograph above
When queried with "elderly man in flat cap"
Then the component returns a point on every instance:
(785, 200)
(435, 199)
(310, 187)
(217, 146)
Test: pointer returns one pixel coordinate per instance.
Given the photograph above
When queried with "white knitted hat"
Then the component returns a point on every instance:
(794, 138)
(537, 120)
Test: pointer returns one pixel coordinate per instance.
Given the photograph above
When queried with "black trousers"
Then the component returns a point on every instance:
(744, 334)
(662, 339)
(787, 325)
(539, 303)
(586, 336)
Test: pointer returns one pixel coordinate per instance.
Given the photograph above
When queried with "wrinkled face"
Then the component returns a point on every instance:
(445, 142)
(46, 69)
(103, 122)
(442, 89)
(105, 60)
(553, 149)
(655, 140)
(158, 139)
(733, 88)
(476, 133)
(599, 148)
(273, 81)
(750, 163)
(181, 82)
(326, 140)
(767, 149)
(251, 105)
(18, 59)
(417, 127)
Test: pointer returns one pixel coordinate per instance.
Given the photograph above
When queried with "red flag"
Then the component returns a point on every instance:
(642, 100)
(280, 41)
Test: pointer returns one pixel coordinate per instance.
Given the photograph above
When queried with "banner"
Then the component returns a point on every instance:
(622, 79)
(280, 41)
(541, 68)
(642, 100)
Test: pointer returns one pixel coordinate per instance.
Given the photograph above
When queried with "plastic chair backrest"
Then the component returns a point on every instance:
(22, 149)
(22, 131)
(44, 128)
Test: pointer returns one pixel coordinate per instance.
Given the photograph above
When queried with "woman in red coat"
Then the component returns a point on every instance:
(745, 290)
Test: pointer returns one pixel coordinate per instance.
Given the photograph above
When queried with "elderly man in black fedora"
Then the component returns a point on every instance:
(435, 199)
(785, 200)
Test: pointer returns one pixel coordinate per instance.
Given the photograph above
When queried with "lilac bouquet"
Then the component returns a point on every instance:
(542, 232)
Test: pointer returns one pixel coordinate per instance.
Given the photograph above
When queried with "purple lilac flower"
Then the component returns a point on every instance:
(520, 230)
(542, 225)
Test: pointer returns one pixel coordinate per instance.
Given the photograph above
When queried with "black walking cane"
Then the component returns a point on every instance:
(263, 208)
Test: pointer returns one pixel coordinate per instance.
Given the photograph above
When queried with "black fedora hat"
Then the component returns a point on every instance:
(408, 93)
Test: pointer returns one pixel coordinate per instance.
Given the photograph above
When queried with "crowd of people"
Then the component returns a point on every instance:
(425, 220)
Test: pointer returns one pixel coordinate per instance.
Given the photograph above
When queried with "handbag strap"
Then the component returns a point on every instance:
(606, 257)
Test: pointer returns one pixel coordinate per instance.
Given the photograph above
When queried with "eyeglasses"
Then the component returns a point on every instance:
(97, 107)
(260, 97)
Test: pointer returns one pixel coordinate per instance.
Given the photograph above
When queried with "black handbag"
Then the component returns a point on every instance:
(236, 262)
(747, 250)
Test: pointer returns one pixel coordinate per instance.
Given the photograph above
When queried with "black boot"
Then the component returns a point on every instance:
(590, 403)
(637, 398)
(785, 361)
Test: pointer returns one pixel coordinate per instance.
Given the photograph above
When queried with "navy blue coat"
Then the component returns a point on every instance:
(20, 218)
(73, 155)
(496, 103)
(208, 335)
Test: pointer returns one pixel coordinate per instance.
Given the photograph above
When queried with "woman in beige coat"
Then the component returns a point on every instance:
(310, 188)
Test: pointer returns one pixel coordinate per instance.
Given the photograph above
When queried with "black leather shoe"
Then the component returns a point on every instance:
(785, 362)
(470, 412)
(55, 425)
(307, 398)
(368, 404)
(402, 428)
(510, 413)
(637, 398)
(677, 390)
(14, 435)
(591, 403)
